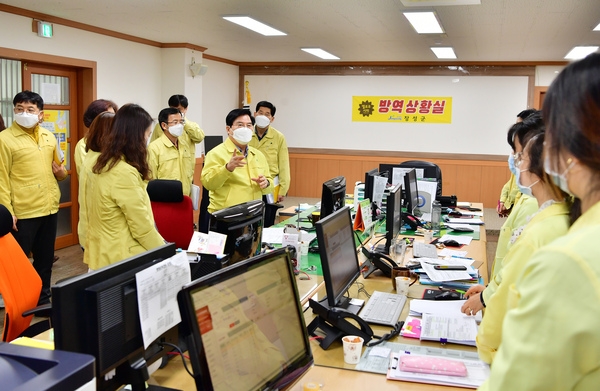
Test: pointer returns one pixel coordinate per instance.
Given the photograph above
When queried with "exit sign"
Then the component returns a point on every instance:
(44, 29)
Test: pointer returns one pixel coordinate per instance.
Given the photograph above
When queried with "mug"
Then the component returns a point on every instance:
(314, 217)
(402, 271)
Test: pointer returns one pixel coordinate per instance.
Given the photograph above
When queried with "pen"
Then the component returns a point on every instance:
(453, 290)
(449, 267)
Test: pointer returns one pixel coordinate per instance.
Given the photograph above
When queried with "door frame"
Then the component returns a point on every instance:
(85, 93)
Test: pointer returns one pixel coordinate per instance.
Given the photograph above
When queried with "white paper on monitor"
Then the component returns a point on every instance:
(427, 191)
(157, 288)
(211, 243)
(379, 184)
(398, 175)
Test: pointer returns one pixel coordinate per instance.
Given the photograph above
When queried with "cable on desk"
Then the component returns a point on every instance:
(361, 289)
(180, 353)
(394, 332)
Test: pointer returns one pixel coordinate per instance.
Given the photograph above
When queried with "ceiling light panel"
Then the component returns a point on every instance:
(321, 53)
(597, 28)
(436, 3)
(254, 25)
(424, 22)
(443, 52)
(579, 52)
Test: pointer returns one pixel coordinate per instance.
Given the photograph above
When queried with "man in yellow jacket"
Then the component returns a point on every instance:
(172, 156)
(272, 144)
(29, 170)
(235, 172)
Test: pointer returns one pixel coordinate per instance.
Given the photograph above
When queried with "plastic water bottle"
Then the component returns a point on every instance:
(436, 215)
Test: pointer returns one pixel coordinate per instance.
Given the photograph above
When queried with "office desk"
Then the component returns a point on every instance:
(329, 368)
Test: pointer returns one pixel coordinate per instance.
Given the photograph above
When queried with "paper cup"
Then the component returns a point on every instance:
(428, 236)
(352, 348)
(304, 248)
(402, 284)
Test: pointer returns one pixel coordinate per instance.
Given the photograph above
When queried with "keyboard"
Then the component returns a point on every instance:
(423, 250)
(383, 308)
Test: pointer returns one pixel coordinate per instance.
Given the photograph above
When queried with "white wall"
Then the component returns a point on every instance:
(127, 71)
(544, 74)
(316, 112)
(220, 95)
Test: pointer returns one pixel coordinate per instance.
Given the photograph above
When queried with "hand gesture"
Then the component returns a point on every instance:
(262, 181)
(235, 161)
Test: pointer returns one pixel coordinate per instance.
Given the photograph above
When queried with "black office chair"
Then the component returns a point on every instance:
(430, 170)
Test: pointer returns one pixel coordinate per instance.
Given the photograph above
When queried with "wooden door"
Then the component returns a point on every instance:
(58, 87)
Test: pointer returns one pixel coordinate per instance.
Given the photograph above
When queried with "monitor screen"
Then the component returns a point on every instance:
(410, 194)
(338, 256)
(245, 326)
(393, 215)
(333, 196)
(97, 313)
(243, 225)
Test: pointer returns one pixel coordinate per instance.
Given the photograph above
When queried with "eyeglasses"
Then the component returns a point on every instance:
(176, 122)
(29, 110)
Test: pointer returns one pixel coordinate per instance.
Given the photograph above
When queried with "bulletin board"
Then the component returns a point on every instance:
(316, 111)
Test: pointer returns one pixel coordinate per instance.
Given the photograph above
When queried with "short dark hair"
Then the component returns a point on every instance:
(510, 137)
(96, 107)
(178, 100)
(29, 97)
(164, 114)
(99, 128)
(526, 113)
(236, 113)
(268, 105)
(572, 113)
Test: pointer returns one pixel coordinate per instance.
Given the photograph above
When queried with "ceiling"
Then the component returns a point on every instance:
(354, 30)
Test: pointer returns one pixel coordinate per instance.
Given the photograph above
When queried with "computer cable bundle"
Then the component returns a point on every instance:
(181, 354)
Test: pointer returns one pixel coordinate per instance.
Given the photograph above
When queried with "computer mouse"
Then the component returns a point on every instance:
(451, 243)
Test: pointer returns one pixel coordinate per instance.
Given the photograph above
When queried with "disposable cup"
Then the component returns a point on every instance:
(352, 348)
(402, 284)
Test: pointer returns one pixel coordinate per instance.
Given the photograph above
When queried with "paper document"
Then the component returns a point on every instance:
(157, 288)
(449, 328)
(272, 235)
(473, 221)
(449, 253)
(398, 175)
(211, 243)
(444, 275)
(450, 307)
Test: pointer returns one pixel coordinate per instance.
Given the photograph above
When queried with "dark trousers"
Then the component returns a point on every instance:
(37, 236)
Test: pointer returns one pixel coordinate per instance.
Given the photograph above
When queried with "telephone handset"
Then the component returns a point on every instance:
(412, 221)
(376, 260)
(334, 325)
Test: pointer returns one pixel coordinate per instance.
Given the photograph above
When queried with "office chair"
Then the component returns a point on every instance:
(173, 211)
(430, 170)
(20, 286)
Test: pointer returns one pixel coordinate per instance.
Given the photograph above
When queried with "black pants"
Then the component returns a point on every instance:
(37, 236)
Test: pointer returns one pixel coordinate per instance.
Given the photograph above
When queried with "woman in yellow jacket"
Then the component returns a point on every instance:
(550, 336)
(120, 221)
(550, 222)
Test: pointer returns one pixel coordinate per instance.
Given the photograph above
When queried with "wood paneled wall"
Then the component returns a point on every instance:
(474, 178)
(478, 180)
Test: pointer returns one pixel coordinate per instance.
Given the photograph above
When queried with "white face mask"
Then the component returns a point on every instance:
(27, 120)
(559, 180)
(242, 135)
(176, 130)
(262, 121)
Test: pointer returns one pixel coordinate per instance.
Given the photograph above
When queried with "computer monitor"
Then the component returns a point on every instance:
(97, 313)
(243, 225)
(333, 196)
(393, 215)
(370, 183)
(338, 257)
(410, 194)
(245, 326)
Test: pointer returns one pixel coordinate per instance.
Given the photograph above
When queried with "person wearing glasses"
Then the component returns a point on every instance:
(172, 156)
(235, 172)
(550, 336)
(29, 171)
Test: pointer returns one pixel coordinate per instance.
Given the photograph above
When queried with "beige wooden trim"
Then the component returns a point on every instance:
(318, 153)
(537, 97)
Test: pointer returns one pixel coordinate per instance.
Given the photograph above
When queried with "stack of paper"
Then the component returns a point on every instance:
(449, 307)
